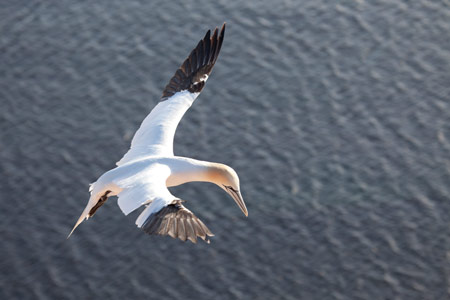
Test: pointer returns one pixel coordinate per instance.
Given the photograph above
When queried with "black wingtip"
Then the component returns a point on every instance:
(177, 221)
(195, 70)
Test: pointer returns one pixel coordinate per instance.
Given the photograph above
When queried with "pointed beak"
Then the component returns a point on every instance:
(80, 220)
(237, 197)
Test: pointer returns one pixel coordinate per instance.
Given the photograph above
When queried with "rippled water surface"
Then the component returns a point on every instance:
(334, 114)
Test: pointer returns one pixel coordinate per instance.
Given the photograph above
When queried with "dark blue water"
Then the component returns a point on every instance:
(335, 116)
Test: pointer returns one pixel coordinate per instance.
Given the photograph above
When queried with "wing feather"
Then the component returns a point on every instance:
(156, 133)
(176, 221)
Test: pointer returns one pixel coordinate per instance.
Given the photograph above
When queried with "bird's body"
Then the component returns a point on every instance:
(143, 175)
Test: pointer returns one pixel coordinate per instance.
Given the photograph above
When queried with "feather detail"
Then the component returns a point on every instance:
(177, 221)
(195, 70)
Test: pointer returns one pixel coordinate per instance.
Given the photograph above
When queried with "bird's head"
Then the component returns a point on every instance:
(94, 203)
(228, 180)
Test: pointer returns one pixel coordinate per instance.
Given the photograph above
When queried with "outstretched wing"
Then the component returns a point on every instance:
(157, 131)
(174, 220)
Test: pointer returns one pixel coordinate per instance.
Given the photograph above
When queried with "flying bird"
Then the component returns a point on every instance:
(145, 172)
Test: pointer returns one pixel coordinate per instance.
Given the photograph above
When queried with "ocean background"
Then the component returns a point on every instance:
(335, 115)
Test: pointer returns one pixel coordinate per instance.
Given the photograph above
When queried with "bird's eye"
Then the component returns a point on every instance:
(229, 187)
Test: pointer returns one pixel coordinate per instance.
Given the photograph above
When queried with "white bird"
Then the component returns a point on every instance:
(143, 175)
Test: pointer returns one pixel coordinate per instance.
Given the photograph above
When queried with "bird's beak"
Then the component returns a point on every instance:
(237, 197)
(80, 220)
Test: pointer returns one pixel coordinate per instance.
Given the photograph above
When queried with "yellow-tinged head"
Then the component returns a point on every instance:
(228, 180)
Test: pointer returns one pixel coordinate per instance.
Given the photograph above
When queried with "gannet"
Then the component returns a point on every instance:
(145, 172)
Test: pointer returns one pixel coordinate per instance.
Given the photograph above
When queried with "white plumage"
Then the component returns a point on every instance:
(155, 136)
(143, 174)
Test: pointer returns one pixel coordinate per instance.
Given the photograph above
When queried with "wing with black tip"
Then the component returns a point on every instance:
(157, 131)
(176, 221)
